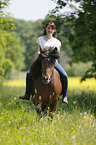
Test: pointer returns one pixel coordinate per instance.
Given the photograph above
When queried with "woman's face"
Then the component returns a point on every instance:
(49, 30)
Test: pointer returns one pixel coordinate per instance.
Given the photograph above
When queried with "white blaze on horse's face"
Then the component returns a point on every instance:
(47, 70)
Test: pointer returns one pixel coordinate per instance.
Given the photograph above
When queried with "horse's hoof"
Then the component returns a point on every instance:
(38, 108)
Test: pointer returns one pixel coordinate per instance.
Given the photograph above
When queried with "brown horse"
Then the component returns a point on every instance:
(47, 85)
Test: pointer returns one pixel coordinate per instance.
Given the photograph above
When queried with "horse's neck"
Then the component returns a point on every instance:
(56, 74)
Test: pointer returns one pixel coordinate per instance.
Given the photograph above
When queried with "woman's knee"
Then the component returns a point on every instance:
(60, 69)
(28, 71)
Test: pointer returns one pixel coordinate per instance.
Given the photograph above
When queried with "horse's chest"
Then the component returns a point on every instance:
(42, 89)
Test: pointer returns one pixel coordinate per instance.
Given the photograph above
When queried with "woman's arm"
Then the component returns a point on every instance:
(38, 49)
(59, 48)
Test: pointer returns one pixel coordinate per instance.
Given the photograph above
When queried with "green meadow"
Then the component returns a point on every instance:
(73, 123)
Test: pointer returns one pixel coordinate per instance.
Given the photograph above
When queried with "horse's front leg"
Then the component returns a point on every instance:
(52, 105)
(53, 102)
(39, 109)
(39, 105)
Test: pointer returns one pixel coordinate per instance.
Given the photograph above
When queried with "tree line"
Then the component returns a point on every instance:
(77, 33)
(82, 33)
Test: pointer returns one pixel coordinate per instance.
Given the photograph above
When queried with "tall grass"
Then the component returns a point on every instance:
(73, 123)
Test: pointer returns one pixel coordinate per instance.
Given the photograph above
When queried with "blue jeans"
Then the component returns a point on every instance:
(63, 76)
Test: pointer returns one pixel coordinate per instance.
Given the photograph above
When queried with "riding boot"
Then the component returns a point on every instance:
(28, 87)
(25, 97)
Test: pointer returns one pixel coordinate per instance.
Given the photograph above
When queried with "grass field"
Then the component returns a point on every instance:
(73, 123)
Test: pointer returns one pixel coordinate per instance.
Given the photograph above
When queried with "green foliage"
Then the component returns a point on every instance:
(77, 69)
(81, 33)
(3, 4)
(11, 56)
(28, 32)
(90, 73)
(5, 64)
(6, 68)
(6, 22)
(10, 47)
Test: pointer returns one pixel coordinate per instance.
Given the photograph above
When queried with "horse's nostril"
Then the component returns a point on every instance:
(46, 77)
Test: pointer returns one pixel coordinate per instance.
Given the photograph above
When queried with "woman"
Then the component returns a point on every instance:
(49, 39)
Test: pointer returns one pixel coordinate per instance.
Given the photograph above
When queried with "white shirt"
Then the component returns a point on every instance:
(53, 42)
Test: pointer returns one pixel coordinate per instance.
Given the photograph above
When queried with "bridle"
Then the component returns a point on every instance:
(47, 80)
(51, 53)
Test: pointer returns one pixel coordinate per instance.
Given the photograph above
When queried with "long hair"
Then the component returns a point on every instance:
(53, 27)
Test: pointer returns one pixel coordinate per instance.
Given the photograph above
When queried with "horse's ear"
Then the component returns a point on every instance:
(56, 53)
(55, 48)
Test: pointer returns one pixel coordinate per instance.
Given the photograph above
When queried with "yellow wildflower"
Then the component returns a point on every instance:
(78, 143)
(92, 116)
(53, 113)
(27, 142)
(50, 119)
(85, 125)
(42, 118)
(85, 117)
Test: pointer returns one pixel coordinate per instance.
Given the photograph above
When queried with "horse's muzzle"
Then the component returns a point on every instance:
(46, 80)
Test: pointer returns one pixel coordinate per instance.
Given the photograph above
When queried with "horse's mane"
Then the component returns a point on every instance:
(51, 52)
(35, 67)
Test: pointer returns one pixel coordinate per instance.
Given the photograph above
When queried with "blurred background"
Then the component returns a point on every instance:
(21, 23)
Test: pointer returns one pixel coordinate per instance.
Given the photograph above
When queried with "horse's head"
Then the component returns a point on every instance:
(48, 58)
